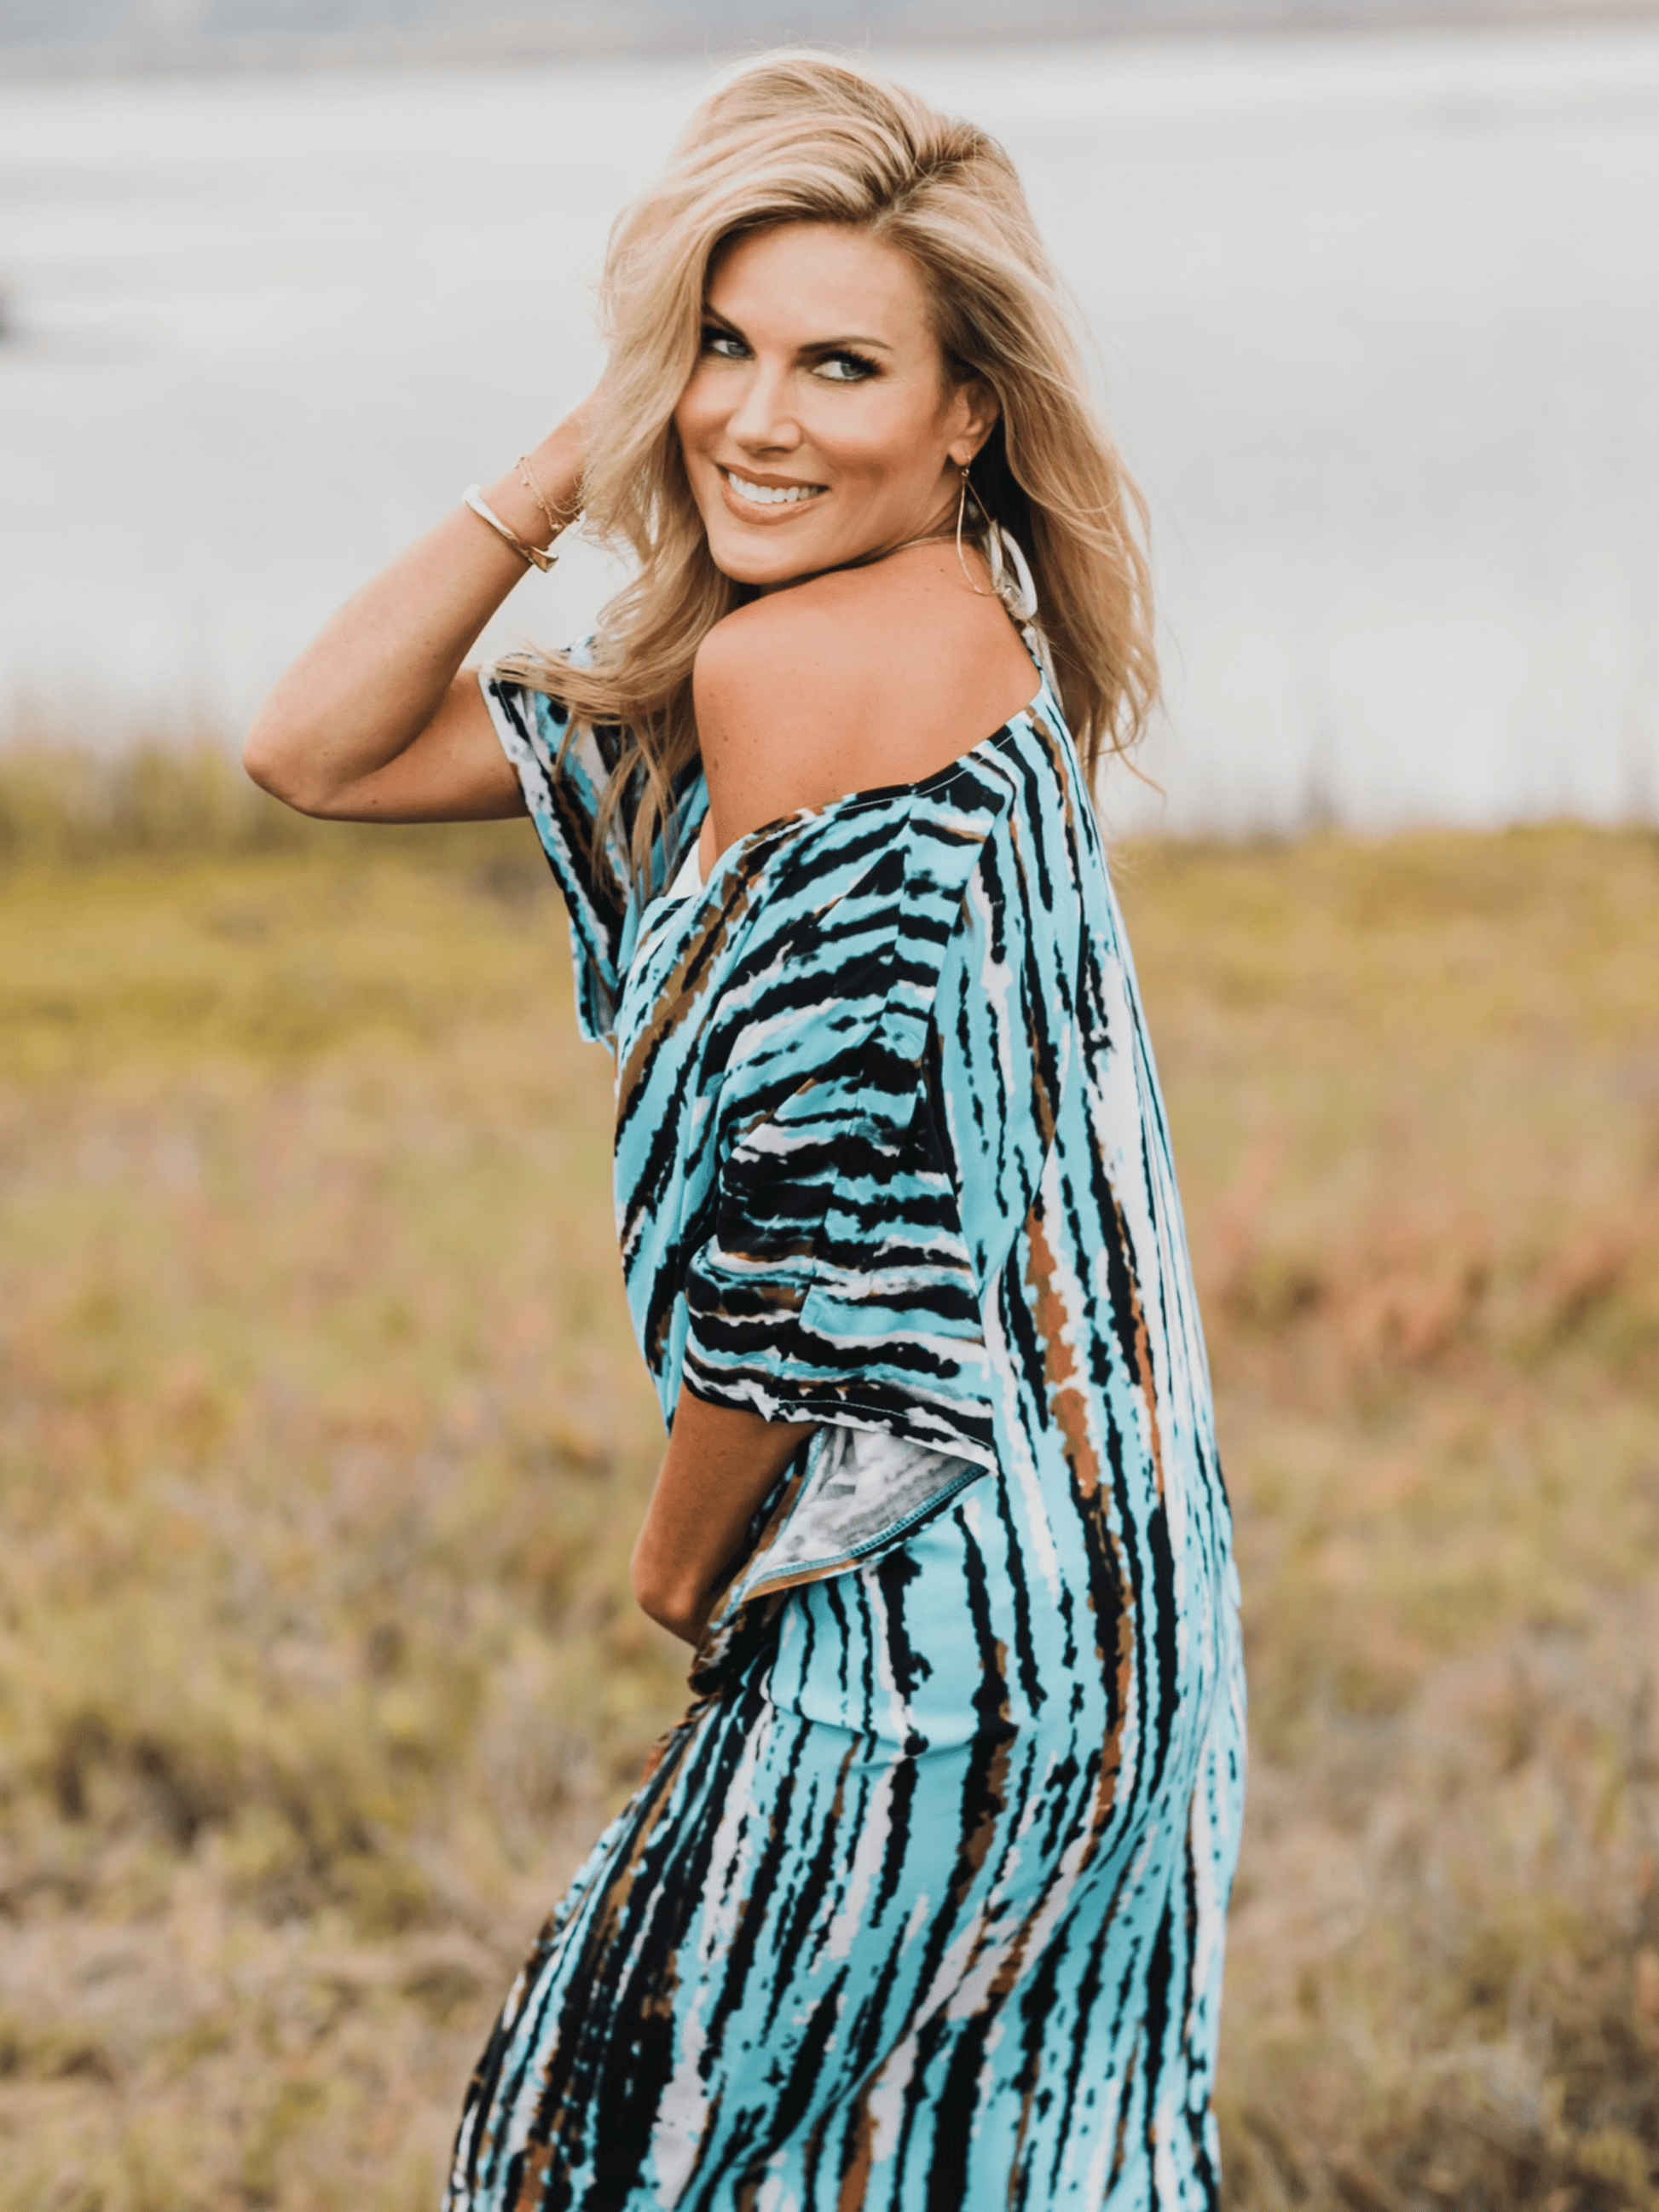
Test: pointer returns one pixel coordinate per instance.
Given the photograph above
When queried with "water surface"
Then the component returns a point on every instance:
(1376, 320)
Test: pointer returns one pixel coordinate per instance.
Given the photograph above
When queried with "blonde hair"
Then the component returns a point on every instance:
(803, 137)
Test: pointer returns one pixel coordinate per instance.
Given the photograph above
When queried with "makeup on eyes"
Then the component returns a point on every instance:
(861, 361)
(819, 354)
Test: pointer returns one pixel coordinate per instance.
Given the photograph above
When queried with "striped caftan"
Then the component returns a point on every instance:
(922, 1904)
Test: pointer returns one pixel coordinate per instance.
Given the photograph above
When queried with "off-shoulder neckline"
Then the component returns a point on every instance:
(850, 801)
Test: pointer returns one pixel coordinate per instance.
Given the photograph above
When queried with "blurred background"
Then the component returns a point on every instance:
(322, 1438)
(1375, 315)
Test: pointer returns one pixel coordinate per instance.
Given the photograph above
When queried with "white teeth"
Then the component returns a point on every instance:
(771, 494)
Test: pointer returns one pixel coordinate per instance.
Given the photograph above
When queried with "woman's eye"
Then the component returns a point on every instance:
(846, 367)
(723, 342)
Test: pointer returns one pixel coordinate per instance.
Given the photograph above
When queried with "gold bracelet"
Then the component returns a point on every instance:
(533, 557)
(555, 522)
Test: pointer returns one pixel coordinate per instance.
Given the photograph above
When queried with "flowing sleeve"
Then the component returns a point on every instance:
(833, 1282)
(563, 768)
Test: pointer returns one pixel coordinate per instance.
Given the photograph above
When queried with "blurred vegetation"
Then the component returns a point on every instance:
(323, 1440)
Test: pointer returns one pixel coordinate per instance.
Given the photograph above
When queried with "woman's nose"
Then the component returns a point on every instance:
(763, 419)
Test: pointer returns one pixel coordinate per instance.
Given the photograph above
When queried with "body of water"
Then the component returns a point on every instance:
(1377, 319)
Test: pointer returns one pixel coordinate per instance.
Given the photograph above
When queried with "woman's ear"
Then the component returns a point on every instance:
(976, 411)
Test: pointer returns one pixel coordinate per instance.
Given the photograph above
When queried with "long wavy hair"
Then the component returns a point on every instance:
(804, 137)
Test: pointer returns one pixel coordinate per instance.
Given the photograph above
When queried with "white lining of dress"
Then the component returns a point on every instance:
(863, 1492)
(688, 881)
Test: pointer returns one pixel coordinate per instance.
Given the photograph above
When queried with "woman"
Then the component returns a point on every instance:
(921, 1904)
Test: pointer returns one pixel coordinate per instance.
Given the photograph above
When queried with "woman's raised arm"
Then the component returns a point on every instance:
(376, 720)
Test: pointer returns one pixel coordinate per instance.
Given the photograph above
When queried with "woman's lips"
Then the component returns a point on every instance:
(787, 498)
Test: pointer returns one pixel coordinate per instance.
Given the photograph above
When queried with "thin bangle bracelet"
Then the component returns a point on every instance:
(555, 522)
(532, 555)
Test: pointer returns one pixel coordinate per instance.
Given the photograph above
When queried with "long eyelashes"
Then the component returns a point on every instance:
(860, 361)
(726, 346)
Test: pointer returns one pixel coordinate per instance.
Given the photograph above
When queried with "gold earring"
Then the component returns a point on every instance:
(962, 514)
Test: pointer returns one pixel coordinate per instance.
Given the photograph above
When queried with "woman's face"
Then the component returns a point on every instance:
(819, 424)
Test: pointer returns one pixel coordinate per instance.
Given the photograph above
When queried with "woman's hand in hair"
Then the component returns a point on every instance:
(377, 721)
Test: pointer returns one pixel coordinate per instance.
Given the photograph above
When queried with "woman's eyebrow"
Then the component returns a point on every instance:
(712, 314)
(840, 345)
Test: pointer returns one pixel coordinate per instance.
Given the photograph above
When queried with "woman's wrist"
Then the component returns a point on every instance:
(558, 462)
(540, 496)
(513, 500)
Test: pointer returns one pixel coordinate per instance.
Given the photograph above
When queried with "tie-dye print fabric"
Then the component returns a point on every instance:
(922, 1906)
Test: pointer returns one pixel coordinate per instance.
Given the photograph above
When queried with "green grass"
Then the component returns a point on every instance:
(323, 1442)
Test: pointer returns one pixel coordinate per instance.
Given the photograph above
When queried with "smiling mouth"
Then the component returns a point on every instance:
(759, 494)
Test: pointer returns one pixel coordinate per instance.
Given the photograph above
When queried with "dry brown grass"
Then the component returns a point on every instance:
(1415, 1088)
(322, 1441)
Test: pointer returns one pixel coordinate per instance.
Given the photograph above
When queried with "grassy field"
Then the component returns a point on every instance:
(323, 1440)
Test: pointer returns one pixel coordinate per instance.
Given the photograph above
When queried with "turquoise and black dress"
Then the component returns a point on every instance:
(922, 1906)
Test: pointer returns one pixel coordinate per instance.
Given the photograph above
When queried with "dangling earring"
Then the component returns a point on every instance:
(996, 559)
(1010, 576)
(962, 514)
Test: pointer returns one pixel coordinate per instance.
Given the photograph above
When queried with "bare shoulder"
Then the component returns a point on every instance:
(848, 682)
